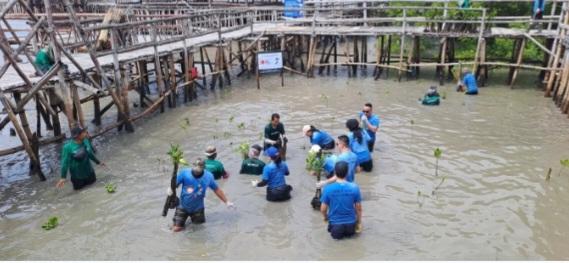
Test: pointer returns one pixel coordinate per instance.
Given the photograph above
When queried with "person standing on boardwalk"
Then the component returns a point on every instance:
(370, 122)
(76, 157)
(341, 205)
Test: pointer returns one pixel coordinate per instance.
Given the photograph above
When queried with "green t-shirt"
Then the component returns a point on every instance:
(252, 166)
(44, 61)
(215, 167)
(76, 158)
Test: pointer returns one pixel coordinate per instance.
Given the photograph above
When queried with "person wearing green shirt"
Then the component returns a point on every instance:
(214, 166)
(253, 165)
(76, 157)
(44, 59)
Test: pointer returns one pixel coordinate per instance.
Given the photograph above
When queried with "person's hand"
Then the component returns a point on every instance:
(254, 183)
(358, 227)
(225, 175)
(170, 192)
(285, 139)
(326, 220)
(103, 164)
(364, 117)
(60, 183)
(321, 184)
(230, 205)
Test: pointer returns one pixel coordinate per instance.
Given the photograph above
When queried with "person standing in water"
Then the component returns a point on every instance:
(195, 182)
(341, 205)
(318, 137)
(253, 165)
(275, 135)
(359, 141)
(76, 157)
(468, 81)
(346, 155)
(274, 177)
(214, 166)
(370, 122)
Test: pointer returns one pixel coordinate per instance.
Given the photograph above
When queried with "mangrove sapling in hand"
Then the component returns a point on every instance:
(438, 152)
(177, 157)
(51, 223)
(315, 164)
(243, 149)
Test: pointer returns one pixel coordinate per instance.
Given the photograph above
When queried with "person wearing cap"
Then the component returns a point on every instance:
(370, 122)
(76, 157)
(214, 166)
(253, 165)
(341, 204)
(359, 142)
(468, 81)
(195, 182)
(432, 97)
(274, 177)
(346, 155)
(318, 137)
(275, 133)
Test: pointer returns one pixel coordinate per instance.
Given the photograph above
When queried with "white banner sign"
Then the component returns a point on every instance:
(270, 61)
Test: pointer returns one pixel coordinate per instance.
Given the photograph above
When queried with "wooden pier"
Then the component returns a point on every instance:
(111, 51)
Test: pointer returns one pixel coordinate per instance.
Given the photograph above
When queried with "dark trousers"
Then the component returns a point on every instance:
(367, 166)
(329, 146)
(279, 194)
(471, 93)
(81, 183)
(370, 145)
(342, 230)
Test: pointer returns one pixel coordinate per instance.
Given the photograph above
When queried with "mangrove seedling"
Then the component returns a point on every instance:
(548, 175)
(241, 126)
(231, 118)
(438, 152)
(438, 186)
(564, 164)
(51, 223)
(412, 122)
(185, 123)
(177, 158)
(243, 149)
(444, 95)
(315, 163)
(226, 134)
(111, 188)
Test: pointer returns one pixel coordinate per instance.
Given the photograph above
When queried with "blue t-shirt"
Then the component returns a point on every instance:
(538, 4)
(275, 175)
(330, 163)
(352, 160)
(193, 190)
(374, 121)
(470, 83)
(321, 138)
(360, 149)
(341, 198)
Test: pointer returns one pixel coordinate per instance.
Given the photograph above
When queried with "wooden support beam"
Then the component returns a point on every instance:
(519, 62)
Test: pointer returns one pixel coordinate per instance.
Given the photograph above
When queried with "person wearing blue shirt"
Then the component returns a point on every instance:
(370, 122)
(274, 177)
(194, 183)
(359, 144)
(346, 155)
(341, 205)
(318, 137)
(468, 81)
(538, 8)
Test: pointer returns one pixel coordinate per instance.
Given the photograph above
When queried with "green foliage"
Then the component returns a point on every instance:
(315, 162)
(185, 124)
(243, 149)
(111, 188)
(231, 118)
(226, 134)
(438, 152)
(177, 155)
(564, 163)
(241, 126)
(51, 223)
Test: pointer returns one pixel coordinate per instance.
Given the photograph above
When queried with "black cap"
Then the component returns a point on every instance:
(75, 132)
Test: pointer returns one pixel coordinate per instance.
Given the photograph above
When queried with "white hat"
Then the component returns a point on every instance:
(305, 129)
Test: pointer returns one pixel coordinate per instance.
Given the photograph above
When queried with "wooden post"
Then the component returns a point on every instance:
(402, 42)
(519, 62)
(256, 66)
(480, 35)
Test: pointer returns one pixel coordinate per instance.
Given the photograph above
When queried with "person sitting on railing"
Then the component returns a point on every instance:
(468, 81)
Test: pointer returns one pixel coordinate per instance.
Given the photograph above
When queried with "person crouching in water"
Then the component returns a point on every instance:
(76, 157)
(432, 97)
(318, 137)
(359, 144)
(214, 166)
(274, 177)
(468, 81)
(253, 165)
(341, 204)
(195, 182)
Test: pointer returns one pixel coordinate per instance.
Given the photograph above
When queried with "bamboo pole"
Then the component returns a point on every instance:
(519, 62)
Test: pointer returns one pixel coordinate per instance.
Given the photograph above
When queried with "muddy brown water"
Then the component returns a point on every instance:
(494, 203)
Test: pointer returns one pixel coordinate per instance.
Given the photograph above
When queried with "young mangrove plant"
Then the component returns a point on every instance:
(185, 124)
(231, 118)
(564, 164)
(51, 223)
(548, 175)
(315, 163)
(241, 126)
(438, 186)
(177, 158)
(243, 149)
(438, 152)
(111, 188)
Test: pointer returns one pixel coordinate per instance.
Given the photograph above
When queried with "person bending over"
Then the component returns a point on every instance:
(274, 177)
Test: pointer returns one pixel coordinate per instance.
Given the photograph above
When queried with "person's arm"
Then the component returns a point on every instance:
(90, 152)
(267, 139)
(264, 178)
(358, 207)
(287, 171)
(371, 127)
(262, 183)
(64, 162)
(326, 182)
(221, 195)
(324, 211)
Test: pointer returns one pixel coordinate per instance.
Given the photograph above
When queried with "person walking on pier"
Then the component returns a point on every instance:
(76, 157)
(318, 137)
(195, 182)
(538, 8)
(275, 135)
(274, 177)
(214, 166)
(468, 82)
(253, 165)
(341, 205)
(370, 122)
(359, 141)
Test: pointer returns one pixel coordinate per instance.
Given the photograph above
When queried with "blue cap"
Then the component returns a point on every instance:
(272, 152)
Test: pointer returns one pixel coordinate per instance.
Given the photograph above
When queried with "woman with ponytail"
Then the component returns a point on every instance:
(359, 144)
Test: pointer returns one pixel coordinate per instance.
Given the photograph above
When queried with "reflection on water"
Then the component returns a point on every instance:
(494, 203)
